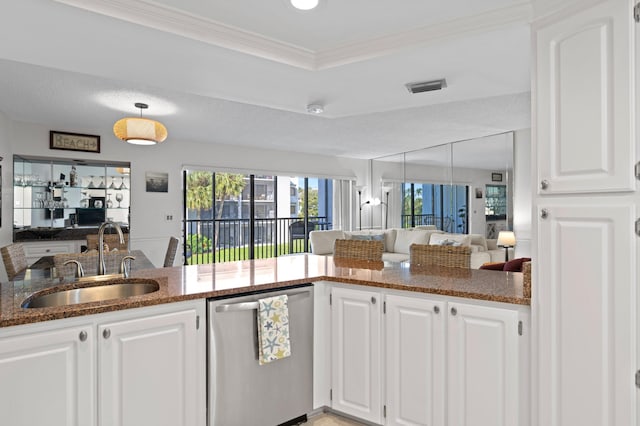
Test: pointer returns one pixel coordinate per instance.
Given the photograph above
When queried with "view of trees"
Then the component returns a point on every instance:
(313, 202)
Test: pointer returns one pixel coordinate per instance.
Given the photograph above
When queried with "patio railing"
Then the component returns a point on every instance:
(442, 223)
(224, 240)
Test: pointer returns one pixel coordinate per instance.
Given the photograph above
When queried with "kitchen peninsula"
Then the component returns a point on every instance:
(451, 342)
(235, 278)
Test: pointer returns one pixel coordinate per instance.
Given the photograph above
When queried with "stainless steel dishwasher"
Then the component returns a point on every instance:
(243, 393)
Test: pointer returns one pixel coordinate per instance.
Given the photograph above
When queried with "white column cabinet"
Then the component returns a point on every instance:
(147, 373)
(415, 360)
(483, 366)
(356, 353)
(47, 377)
(585, 260)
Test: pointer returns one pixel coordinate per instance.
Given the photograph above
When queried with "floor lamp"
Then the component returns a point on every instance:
(361, 204)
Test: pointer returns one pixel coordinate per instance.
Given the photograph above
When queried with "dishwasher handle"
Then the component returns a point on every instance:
(248, 306)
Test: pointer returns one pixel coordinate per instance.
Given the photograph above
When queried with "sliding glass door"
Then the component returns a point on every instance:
(232, 216)
(444, 206)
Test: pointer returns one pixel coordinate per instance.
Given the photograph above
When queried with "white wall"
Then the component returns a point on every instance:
(149, 229)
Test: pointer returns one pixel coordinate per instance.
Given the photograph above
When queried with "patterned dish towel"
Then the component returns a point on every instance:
(273, 329)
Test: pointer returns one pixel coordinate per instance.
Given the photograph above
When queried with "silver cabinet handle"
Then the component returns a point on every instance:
(83, 336)
(544, 184)
(373, 300)
(544, 213)
(436, 309)
(454, 311)
(638, 227)
(106, 333)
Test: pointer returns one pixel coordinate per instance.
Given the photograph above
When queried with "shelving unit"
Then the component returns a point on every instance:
(64, 193)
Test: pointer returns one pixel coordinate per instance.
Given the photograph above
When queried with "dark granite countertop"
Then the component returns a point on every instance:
(231, 278)
(55, 234)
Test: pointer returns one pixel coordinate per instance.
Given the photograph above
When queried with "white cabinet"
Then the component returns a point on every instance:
(585, 292)
(147, 373)
(446, 361)
(144, 366)
(415, 360)
(583, 113)
(483, 366)
(47, 377)
(35, 250)
(356, 355)
(585, 259)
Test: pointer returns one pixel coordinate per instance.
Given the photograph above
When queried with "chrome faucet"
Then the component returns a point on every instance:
(101, 264)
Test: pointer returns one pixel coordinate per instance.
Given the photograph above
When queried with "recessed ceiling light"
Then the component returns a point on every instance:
(304, 4)
(315, 109)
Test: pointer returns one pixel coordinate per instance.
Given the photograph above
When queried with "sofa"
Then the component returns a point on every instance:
(398, 240)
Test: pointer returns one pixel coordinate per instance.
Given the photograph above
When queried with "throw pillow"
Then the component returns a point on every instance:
(515, 265)
(450, 240)
(406, 237)
(493, 266)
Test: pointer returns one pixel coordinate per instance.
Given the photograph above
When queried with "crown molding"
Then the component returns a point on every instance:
(381, 46)
(175, 21)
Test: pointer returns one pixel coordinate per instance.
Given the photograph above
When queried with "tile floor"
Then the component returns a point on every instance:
(326, 419)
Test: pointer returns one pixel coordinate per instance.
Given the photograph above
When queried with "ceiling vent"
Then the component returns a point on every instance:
(426, 86)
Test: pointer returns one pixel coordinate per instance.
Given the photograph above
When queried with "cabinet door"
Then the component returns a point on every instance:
(585, 295)
(483, 366)
(584, 102)
(147, 371)
(415, 346)
(47, 378)
(356, 365)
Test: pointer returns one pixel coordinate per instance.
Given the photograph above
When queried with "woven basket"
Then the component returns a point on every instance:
(448, 256)
(358, 249)
(89, 262)
(526, 279)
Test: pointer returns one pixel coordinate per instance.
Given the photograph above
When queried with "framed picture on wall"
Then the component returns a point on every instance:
(496, 177)
(157, 182)
(478, 192)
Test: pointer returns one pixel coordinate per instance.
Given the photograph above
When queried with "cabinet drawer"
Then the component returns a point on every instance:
(34, 251)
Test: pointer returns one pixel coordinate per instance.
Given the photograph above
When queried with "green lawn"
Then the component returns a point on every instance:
(242, 253)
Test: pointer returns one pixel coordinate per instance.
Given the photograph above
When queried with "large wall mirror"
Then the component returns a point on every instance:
(460, 187)
(53, 194)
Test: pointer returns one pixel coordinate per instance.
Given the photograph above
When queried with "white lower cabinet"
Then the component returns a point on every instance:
(134, 367)
(411, 359)
(356, 357)
(415, 351)
(147, 370)
(47, 377)
(483, 366)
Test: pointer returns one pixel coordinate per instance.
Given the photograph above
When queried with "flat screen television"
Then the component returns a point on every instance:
(87, 217)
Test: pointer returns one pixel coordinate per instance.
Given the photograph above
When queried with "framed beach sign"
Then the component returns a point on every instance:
(74, 141)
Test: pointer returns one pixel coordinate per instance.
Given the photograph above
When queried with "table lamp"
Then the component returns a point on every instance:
(506, 239)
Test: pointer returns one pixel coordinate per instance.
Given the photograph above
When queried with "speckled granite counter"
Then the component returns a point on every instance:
(202, 281)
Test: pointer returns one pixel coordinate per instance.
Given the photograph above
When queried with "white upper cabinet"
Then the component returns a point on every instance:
(584, 103)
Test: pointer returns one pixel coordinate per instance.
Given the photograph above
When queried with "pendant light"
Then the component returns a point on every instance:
(304, 4)
(140, 131)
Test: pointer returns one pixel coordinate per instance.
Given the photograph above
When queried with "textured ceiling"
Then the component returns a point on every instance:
(70, 68)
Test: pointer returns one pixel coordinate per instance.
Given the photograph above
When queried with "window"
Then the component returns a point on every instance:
(444, 206)
(496, 202)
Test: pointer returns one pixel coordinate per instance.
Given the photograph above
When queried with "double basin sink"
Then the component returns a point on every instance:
(91, 289)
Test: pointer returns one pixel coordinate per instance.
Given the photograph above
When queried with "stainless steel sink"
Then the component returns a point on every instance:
(117, 289)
